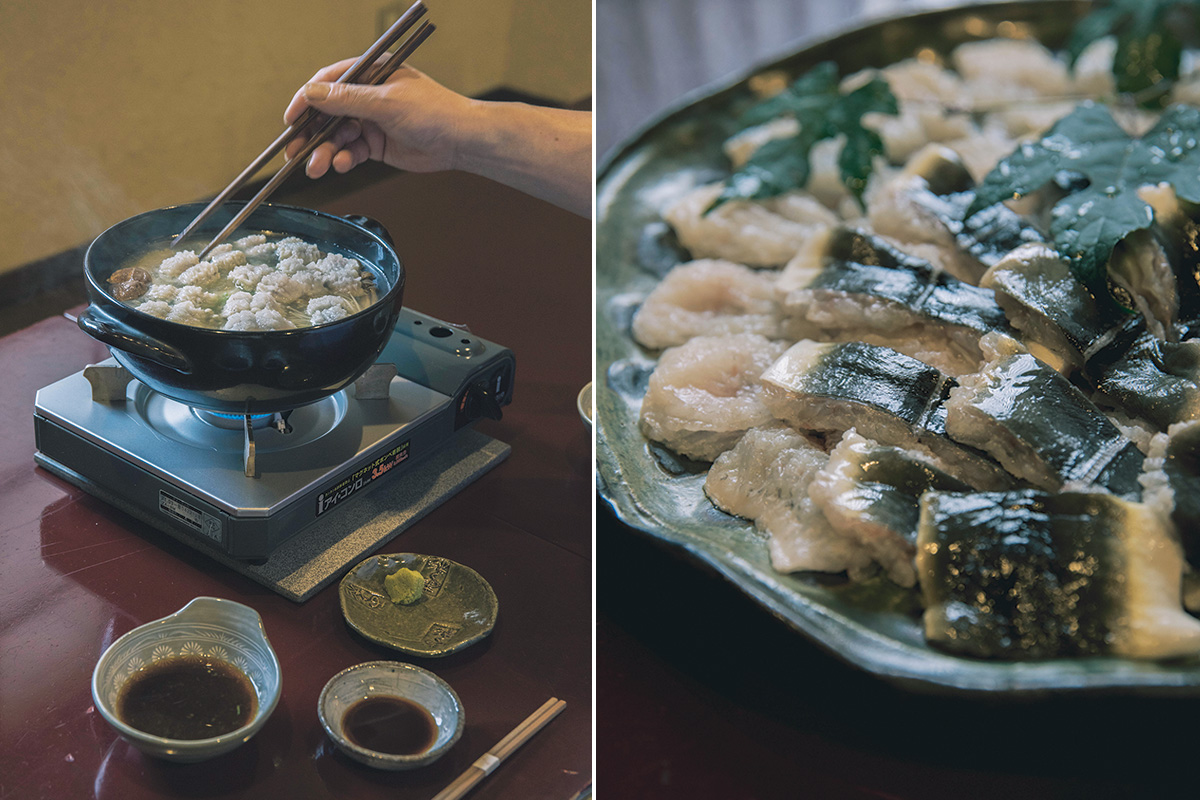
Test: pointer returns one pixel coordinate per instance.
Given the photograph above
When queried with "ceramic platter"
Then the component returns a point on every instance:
(662, 497)
(458, 608)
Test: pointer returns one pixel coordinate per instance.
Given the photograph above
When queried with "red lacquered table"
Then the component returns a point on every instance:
(76, 573)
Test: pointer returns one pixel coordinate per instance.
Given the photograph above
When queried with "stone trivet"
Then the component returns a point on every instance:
(319, 554)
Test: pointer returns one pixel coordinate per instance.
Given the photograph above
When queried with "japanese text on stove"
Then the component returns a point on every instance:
(361, 477)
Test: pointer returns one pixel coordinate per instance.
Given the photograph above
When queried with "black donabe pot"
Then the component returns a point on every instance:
(232, 371)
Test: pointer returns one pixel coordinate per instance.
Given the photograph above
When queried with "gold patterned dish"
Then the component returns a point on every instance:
(456, 609)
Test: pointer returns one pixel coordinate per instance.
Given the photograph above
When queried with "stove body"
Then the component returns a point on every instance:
(243, 486)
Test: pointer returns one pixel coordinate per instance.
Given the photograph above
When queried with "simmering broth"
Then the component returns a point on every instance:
(255, 283)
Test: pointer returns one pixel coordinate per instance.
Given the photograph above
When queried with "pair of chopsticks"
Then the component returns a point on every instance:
(484, 765)
(366, 69)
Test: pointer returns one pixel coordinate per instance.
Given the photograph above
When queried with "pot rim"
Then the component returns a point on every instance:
(95, 285)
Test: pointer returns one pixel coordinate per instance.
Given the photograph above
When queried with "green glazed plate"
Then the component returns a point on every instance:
(458, 609)
(653, 492)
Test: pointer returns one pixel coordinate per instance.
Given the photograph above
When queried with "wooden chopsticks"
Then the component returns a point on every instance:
(484, 765)
(364, 68)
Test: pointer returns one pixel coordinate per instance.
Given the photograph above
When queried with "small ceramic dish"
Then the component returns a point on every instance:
(207, 626)
(584, 404)
(396, 680)
(457, 609)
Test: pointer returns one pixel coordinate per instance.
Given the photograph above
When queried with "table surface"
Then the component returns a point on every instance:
(703, 694)
(75, 574)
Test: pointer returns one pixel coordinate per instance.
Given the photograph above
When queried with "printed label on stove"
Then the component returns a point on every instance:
(361, 478)
(189, 515)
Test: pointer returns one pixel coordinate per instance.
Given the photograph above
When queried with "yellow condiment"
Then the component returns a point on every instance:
(405, 586)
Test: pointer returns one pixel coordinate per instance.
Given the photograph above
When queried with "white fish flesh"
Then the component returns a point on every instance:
(707, 297)
(759, 234)
(705, 394)
(766, 478)
(871, 492)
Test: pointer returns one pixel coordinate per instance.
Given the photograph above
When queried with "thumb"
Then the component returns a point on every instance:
(343, 99)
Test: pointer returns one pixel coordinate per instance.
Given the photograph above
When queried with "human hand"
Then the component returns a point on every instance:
(413, 123)
(410, 121)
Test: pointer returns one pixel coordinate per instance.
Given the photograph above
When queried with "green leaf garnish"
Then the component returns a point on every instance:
(1088, 222)
(1148, 45)
(823, 112)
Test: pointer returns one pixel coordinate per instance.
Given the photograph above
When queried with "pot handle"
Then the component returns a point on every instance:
(114, 333)
(373, 225)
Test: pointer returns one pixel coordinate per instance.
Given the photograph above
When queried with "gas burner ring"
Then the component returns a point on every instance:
(235, 422)
(225, 432)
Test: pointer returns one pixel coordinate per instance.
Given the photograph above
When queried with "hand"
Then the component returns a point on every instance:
(410, 122)
(413, 123)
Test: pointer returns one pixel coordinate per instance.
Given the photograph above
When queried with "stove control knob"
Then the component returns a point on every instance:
(480, 401)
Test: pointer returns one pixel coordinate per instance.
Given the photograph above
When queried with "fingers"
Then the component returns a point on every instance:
(351, 156)
(294, 147)
(319, 161)
(346, 99)
(346, 132)
(333, 71)
(295, 108)
(360, 104)
(322, 157)
(324, 75)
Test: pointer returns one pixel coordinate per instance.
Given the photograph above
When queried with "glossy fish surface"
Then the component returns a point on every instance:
(1030, 575)
(871, 492)
(887, 396)
(1042, 428)
(1155, 381)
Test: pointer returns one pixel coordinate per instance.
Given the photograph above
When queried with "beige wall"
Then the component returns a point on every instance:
(108, 109)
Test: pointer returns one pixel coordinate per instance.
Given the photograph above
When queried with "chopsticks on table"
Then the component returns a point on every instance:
(365, 68)
(484, 765)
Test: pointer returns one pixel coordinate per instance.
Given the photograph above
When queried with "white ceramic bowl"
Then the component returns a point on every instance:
(207, 626)
(376, 678)
(583, 403)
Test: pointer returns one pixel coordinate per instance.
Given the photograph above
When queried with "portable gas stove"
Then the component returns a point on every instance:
(241, 487)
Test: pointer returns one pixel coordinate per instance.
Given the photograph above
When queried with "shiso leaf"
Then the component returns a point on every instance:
(1105, 208)
(1149, 48)
(824, 112)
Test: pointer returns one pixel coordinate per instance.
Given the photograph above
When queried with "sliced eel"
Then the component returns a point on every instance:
(707, 297)
(987, 235)
(1029, 575)
(1148, 376)
(759, 234)
(1141, 271)
(871, 493)
(854, 286)
(1177, 231)
(1173, 483)
(927, 203)
(704, 395)
(887, 396)
(1058, 317)
(766, 478)
(1154, 380)
(1041, 428)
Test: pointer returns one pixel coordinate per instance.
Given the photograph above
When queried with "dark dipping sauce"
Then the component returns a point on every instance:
(187, 697)
(388, 724)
